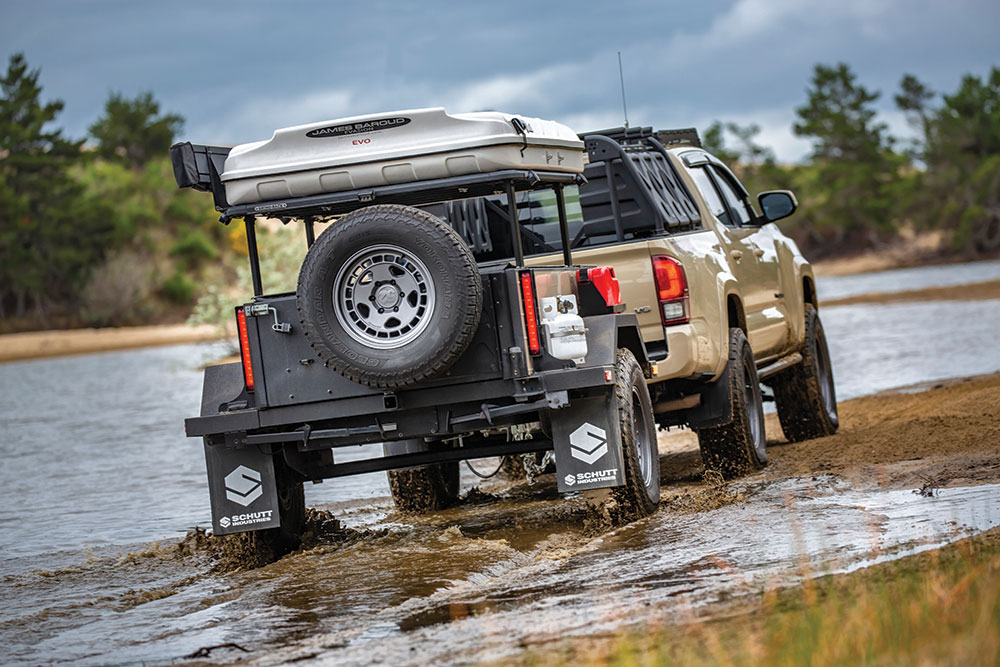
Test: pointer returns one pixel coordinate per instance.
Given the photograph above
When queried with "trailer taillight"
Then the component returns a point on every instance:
(671, 289)
(530, 316)
(241, 324)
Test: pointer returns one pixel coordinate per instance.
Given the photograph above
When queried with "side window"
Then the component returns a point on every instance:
(736, 203)
(708, 192)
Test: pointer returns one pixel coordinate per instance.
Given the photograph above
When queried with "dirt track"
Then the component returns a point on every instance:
(944, 434)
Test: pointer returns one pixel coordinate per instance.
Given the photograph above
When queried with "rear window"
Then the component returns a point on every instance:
(630, 194)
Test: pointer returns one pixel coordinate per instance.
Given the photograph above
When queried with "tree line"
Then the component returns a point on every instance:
(860, 186)
(94, 232)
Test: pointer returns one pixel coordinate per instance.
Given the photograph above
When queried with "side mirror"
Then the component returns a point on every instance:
(777, 204)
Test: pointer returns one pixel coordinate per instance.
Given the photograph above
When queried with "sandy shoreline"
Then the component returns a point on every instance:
(39, 344)
(968, 292)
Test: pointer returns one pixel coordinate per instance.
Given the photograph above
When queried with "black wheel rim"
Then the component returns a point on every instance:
(754, 409)
(643, 445)
(824, 372)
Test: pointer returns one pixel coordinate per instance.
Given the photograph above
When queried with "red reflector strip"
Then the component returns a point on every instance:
(241, 323)
(530, 317)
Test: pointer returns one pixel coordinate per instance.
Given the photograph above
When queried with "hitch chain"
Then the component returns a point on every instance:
(533, 469)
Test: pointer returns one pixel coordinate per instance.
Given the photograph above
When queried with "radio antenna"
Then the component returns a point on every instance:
(621, 78)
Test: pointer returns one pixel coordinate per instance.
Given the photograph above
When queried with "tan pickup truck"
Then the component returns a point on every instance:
(731, 298)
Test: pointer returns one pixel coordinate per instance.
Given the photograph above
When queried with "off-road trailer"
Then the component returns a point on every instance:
(277, 419)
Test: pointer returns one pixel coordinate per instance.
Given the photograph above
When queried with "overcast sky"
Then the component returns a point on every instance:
(238, 70)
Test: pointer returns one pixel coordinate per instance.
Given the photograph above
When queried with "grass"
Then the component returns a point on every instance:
(940, 607)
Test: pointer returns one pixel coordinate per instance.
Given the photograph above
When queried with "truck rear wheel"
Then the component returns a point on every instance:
(425, 489)
(389, 296)
(740, 446)
(641, 493)
(804, 394)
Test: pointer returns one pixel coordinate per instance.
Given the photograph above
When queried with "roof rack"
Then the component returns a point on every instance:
(621, 134)
(687, 135)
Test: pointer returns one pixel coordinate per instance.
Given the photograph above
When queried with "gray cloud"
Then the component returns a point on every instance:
(236, 71)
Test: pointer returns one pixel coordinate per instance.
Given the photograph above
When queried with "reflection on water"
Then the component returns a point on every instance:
(94, 451)
(901, 280)
(875, 347)
(95, 459)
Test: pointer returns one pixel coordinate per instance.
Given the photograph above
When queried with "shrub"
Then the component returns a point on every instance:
(178, 288)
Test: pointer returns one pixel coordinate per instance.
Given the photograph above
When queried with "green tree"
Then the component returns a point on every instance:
(50, 234)
(913, 99)
(962, 180)
(713, 140)
(855, 170)
(133, 130)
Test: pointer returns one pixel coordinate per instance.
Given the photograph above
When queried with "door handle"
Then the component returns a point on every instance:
(736, 254)
(758, 252)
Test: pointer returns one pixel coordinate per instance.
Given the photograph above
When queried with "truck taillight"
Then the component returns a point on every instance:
(671, 289)
(241, 324)
(530, 315)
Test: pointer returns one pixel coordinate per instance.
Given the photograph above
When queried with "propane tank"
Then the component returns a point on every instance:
(563, 328)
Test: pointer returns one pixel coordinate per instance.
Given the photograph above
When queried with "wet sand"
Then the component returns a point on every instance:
(972, 292)
(38, 344)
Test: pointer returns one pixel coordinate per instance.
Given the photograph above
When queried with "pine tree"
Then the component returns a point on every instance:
(50, 235)
(133, 130)
(855, 167)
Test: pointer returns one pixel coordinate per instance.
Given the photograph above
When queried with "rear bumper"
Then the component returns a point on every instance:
(682, 362)
(429, 412)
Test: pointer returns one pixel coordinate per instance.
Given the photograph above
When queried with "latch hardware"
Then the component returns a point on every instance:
(262, 309)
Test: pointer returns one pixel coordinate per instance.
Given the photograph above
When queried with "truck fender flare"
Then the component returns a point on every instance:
(716, 407)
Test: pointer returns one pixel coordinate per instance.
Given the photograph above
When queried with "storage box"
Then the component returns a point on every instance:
(396, 147)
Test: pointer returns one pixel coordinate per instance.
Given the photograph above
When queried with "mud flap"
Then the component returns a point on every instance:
(242, 489)
(588, 444)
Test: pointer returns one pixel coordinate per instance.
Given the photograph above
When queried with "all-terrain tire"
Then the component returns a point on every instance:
(640, 494)
(273, 543)
(738, 447)
(389, 296)
(804, 394)
(425, 489)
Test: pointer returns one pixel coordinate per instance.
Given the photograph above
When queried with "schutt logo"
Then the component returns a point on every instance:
(243, 486)
(588, 443)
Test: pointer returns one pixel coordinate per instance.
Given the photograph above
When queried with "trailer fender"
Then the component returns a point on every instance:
(607, 333)
(241, 487)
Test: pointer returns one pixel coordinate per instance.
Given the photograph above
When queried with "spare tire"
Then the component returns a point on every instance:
(389, 295)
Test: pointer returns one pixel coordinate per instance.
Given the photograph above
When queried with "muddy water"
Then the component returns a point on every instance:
(95, 465)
